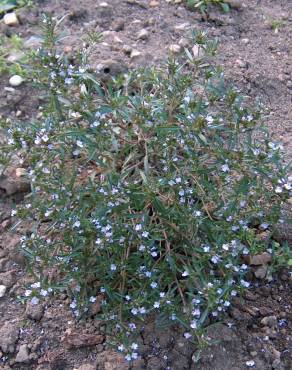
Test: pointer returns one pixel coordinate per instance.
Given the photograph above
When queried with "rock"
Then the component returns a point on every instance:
(184, 42)
(197, 51)
(14, 186)
(277, 365)
(143, 34)
(8, 279)
(8, 337)
(10, 19)
(235, 4)
(2, 290)
(260, 259)
(174, 48)
(240, 63)
(135, 54)
(153, 3)
(86, 367)
(182, 26)
(276, 353)
(270, 321)
(79, 340)
(23, 354)
(261, 272)
(245, 41)
(118, 25)
(110, 360)
(127, 49)
(34, 312)
(15, 80)
(19, 172)
(110, 68)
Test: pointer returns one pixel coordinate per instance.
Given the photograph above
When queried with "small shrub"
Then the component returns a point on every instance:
(148, 193)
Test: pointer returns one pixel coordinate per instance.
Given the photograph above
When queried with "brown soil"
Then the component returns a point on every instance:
(258, 328)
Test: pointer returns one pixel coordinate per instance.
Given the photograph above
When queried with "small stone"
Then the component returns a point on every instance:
(153, 3)
(34, 312)
(86, 367)
(103, 4)
(143, 34)
(261, 272)
(253, 353)
(245, 41)
(23, 354)
(127, 49)
(135, 54)
(277, 365)
(118, 25)
(16, 80)
(182, 26)
(174, 48)
(2, 290)
(240, 63)
(250, 363)
(196, 50)
(10, 19)
(270, 321)
(276, 353)
(183, 42)
(8, 337)
(236, 4)
(20, 172)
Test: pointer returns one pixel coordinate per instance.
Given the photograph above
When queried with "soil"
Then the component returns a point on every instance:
(257, 332)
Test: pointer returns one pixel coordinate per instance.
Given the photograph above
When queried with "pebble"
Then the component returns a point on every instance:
(270, 321)
(16, 80)
(143, 34)
(240, 63)
(183, 42)
(277, 365)
(245, 41)
(153, 3)
(86, 367)
(127, 49)
(118, 25)
(182, 26)
(10, 19)
(103, 4)
(2, 290)
(135, 54)
(23, 354)
(174, 48)
(196, 51)
(19, 172)
(34, 312)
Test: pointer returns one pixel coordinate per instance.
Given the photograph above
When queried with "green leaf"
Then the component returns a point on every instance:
(225, 7)
(6, 5)
(289, 263)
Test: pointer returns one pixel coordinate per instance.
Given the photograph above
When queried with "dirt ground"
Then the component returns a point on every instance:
(257, 332)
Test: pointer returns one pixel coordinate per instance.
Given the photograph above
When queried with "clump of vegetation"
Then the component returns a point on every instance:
(203, 5)
(148, 194)
(9, 5)
(12, 45)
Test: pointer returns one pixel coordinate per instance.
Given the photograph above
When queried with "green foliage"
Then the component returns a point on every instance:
(9, 46)
(203, 5)
(9, 5)
(147, 193)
